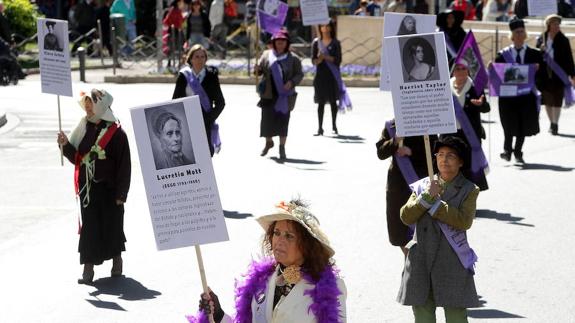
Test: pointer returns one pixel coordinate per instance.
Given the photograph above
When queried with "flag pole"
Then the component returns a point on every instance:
(60, 130)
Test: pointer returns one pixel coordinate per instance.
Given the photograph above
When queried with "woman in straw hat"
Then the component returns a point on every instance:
(99, 149)
(296, 282)
(439, 266)
(557, 53)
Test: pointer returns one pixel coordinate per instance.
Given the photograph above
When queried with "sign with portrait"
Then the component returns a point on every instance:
(421, 92)
(55, 72)
(398, 24)
(507, 80)
(314, 12)
(179, 179)
(541, 8)
(271, 15)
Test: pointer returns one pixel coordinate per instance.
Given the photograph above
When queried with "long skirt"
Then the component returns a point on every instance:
(102, 234)
(273, 123)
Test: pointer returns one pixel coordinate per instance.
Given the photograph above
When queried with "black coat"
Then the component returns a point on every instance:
(562, 56)
(324, 83)
(519, 115)
(211, 85)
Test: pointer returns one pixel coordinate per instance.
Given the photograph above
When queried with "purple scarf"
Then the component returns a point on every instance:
(478, 160)
(404, 163)
(568, 91)
(281, 105)
(449, 46)
(506, 53)
(344, 100)
(206, 104)
(325, 305)
(457, 238)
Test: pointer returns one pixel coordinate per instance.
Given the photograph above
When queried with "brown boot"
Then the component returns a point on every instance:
(268, 146)
(117, 264)
(87, 275)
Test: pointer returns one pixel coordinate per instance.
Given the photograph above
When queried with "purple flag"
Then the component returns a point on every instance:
(470, 56)
(271, 15)
(508, 80)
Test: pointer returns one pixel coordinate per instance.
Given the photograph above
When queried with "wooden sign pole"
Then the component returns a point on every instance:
(203, 277)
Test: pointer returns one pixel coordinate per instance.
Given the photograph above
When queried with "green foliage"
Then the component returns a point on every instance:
(22, 16)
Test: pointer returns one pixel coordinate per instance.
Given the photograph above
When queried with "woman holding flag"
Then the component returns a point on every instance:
(199, 79)
(327, 83)
(281, 72)
(439, 268)
(556, 76)
(99, 149)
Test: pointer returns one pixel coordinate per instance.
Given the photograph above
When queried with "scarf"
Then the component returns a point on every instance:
(281, 106)
(101, 102)
(325, 304)
(460, 94)
(344, 100)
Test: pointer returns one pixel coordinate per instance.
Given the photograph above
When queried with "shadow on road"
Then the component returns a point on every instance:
(491, 314)
(555, 168)
(237, 215)
(349, 139)
(565, 135)
(107, 305)
(490, 214)
(124, 287)
(296, 161)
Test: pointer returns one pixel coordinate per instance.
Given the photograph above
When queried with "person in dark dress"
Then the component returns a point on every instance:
(281, 72)
(324, 83)
(449, 22)
(397, 191)
(103, 14)
(99, 149)
(51, 41)
(554, 43)
(473, 105)
(519, 114)
(199, 79)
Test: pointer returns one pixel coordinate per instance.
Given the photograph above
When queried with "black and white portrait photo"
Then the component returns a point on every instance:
(516, 75)
(407, 26)
(269, 6)
(419, 59)
(169, 136)
(472, 62)
(51, 37)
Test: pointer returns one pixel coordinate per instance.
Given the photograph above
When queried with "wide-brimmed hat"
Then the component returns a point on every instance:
(552, 17)
(516, 23)
(299, 214)
(280, 34)
(441, 20)
(455, 143)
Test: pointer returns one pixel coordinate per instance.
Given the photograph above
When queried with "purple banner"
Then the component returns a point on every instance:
(271, 15)
(470, 56)
(508, 80)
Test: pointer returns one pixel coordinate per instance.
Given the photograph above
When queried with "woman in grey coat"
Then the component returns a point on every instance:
(439, 266)
(281, 73)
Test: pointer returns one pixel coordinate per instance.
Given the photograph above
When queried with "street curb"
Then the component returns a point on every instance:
(241, 80)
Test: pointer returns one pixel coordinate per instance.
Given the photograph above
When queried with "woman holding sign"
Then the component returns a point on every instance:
(281, 72)
(296, 282)
(439, 266)
(327, 83)
(98, 147)
(557, 73)
(199, 79)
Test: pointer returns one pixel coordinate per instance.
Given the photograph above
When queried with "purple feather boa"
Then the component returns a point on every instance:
(325, 305)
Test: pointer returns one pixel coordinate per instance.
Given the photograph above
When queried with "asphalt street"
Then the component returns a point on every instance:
(523, 233)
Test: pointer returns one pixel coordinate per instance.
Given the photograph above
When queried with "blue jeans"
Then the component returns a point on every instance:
(198, 38)
(130, 36)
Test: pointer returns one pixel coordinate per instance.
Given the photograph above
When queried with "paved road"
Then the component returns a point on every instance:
(523, 234)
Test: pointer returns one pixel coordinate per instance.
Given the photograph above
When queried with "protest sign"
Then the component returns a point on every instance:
(55, 75)
(470, 56)
(314, 12)
(271, 15)
(541, 8)
(507, 80)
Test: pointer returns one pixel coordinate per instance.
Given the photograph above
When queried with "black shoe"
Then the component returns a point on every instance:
(334, 131)
(554, 129)
(505, 155)
(283, 152)
(319, 132)
(269, 145)
(519, 158)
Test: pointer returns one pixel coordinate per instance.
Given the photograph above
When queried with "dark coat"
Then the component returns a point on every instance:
(519, 115)
(211, 85)
(562, 56)
(206, 25)
(324, 83)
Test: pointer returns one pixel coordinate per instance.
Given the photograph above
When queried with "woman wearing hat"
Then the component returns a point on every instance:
(449, 22)
(281, 72)
(296, 283)
(519, 114)
(439, 266)
(98, 147)
(472, 105)
(558, 60)
(199, 79)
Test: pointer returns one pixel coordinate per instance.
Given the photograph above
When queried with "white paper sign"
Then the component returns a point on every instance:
(55, 73)
(420, 88)
(397, 24)
(314, 12)
(507, 90)
(541, 8)
(178, 175)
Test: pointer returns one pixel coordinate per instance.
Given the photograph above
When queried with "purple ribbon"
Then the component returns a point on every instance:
(344, 100)
(205, 102)
(457, 238)
(449, 46)
(478, 160)
(272, 23)
(568, 91)
(404, 163)
(480, 77)
(281, 105)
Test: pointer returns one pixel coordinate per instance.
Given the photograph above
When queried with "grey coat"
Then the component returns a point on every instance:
(432, 267)
(291, 71)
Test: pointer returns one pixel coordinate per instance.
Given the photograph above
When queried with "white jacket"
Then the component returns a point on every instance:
(216, 13)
